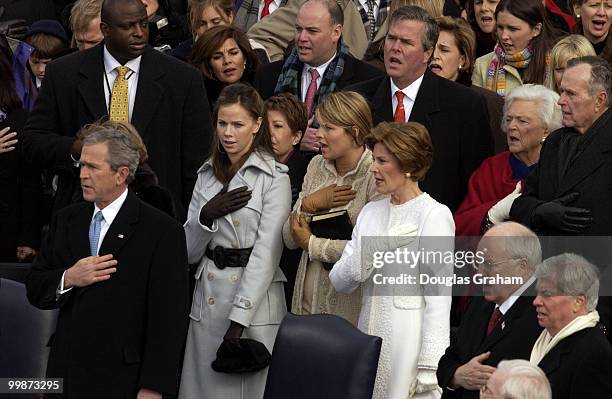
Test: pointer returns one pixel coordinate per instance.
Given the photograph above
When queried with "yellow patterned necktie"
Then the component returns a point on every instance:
(119, 97)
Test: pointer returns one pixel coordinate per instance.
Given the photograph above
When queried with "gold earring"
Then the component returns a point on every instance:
(543, 139)
(407, 174)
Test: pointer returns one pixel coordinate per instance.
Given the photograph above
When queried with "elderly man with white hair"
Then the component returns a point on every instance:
(517, 379)
(502, 323)
(572, 350)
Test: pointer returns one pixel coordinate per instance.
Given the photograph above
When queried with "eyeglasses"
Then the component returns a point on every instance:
(490, 265)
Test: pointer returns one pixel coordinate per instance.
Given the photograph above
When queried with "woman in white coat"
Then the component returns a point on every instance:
(233, 230)
(415, 328)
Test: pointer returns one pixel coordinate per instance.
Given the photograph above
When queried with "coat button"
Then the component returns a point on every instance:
(236, 223)
(210, 277)
(247, 303)
(234, 244)
(234, 278)
(211, 301)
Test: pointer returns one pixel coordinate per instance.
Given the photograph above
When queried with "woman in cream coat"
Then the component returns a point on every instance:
(235, 302)
(337, 179)
(412, 319)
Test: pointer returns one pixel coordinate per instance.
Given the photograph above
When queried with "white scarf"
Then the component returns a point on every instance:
(546, 342)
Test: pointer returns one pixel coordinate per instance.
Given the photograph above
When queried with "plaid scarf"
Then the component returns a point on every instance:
(290, 74)
(383, 10)
(496, 75)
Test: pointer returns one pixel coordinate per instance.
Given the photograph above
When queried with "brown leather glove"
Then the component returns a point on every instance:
(300, 230)
(327, 198)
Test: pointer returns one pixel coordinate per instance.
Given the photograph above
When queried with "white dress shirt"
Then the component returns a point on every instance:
(410, 95)
(273, 7)
(110, 63)
(306, 76)
(505, 307)
(110, 213)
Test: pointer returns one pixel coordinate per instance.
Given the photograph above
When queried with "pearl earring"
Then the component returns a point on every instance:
(407, 175)
(460, 67)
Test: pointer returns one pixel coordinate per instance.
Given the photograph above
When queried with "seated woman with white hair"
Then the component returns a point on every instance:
(531, 113)
(573, 349)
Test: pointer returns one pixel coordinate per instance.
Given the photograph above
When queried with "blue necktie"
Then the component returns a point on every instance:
(94, 232)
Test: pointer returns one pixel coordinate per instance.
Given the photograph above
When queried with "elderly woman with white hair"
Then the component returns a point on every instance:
(517, 379)
(531, 113)
(573, 349)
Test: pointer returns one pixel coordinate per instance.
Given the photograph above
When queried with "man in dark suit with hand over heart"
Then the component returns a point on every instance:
(117, 269)
(502, 324)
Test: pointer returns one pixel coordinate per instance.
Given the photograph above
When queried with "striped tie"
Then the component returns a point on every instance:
(119, 97)
(94, 232)
(371, 20)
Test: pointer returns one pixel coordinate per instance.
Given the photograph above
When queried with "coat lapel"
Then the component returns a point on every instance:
(592, 157)
(382, 108)
(506, 323)
(79, 237)
(122, 227)
(90, 86)
(149, 92)
(554, 358)
(427, 101)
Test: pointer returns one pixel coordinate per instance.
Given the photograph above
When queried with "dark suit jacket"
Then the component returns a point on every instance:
(513, 341)
(354, 71)
(170, 112)
(458, 123)
(579, 366)
(125, 333)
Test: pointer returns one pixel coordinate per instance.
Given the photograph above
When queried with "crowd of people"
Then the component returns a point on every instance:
(181, 174)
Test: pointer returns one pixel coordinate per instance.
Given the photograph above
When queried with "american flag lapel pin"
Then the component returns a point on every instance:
(120, 236)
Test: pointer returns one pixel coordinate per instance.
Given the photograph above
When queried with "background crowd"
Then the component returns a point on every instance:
(278, 134)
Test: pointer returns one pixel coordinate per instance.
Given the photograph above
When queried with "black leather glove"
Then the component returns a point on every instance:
(234, 332)
(225, 202)
(558, 216)
(15, 28)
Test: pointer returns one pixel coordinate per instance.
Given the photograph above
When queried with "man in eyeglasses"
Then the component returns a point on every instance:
(502, 324)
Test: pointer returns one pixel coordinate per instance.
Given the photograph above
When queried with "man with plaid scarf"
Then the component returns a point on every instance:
(319, 64)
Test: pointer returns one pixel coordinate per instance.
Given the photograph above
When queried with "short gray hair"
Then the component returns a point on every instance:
(523, 381)
(543, 98)
(415, 13)
(601, 73)
(122, 151)
(574, 276)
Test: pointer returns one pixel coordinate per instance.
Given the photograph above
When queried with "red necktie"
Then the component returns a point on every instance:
(312, 90)
(497, 314)
(400, 113)
(266, 9)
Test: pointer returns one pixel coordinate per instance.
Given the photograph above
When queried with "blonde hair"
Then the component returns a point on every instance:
(83, 12)
(569, 47)
(195, 8)
(348, 110)
(409, 143)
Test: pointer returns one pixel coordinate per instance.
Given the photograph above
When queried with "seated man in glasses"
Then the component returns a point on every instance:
(500, 324)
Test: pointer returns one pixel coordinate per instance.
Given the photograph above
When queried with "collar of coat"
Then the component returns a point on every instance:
(258, 159)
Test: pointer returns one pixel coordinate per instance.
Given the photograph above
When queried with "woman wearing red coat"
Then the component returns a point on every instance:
(530, 114)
